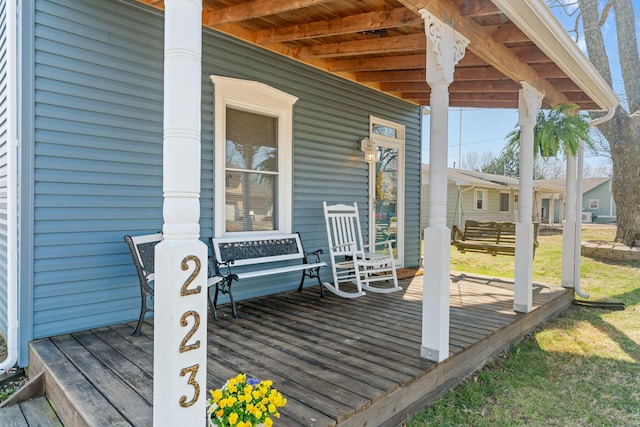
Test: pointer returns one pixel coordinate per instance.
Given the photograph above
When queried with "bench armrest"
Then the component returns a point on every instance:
(315, 254)
(217, 265)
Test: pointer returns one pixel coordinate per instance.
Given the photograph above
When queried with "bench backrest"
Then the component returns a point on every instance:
(490, 232)
(142, 250)
(502, 233)
(254, 250)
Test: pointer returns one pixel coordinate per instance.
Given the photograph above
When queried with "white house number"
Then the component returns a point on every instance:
(185, 344)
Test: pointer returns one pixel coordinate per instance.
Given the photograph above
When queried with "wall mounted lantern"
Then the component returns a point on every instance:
(368, 147)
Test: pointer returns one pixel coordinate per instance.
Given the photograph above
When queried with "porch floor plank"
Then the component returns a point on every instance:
(338, 361)
(38, 412)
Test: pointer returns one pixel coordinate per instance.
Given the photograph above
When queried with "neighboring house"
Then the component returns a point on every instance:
(487, 197)
(550, 200)
(288, 90)
(597, 200)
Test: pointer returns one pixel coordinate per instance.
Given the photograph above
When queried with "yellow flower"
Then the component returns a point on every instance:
(268, 422)
(233, 418)
(216, 395)
(272, 407)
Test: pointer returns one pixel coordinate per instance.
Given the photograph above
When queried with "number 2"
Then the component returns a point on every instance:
(184, 291)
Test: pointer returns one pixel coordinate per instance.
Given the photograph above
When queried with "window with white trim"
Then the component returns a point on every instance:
(253, 142)
(480, 199)
(594, 204)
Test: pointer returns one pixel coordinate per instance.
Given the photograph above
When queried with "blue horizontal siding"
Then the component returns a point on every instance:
(3, 165)
(98, 153)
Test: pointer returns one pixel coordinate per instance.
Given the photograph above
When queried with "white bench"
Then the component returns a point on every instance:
(254, 251)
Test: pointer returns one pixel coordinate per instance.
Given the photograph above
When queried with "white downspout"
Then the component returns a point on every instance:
(12, 190)
(578, 235)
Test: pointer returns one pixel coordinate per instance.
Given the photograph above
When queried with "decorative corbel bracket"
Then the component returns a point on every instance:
(530, 101)
(445, 47)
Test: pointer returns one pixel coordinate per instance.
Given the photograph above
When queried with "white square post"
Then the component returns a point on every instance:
(445, 47)
(180, 300)
(528, 105)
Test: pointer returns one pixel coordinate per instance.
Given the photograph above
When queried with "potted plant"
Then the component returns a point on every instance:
(556, 130)
(244, 402)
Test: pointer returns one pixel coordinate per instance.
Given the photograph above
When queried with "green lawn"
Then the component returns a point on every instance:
(581, 369)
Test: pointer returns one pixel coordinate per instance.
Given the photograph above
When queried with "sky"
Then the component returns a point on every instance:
(485, 130)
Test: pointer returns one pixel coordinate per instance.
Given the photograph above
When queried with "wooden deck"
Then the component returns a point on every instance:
(338, 361)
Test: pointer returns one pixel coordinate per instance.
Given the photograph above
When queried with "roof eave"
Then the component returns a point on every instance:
(537, 21)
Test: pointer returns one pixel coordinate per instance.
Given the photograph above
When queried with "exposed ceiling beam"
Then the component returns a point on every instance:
(410, 43)
(478, 8)
(256, 9)
(456, 86)
(396, 62)
(371, 21)
(498, 96)
(483, 45)
(507, 33)
(461, 74)
(380, 63)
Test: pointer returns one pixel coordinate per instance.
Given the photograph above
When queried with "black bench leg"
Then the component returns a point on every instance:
(212, 305)
(233, 303)
(224, 286)
(315, 272)
(143, 311)
(215, 302)
(304, 274)
(319, 282)
(136, 332)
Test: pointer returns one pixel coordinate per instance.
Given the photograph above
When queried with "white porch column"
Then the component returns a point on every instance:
(445, 48)
(180, 324)
(552, 208)
(577, 239)
(569, 225)
(528, 105)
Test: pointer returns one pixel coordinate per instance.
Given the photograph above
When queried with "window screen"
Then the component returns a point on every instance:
(251, 174)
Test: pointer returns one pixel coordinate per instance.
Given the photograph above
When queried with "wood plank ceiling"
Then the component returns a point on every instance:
(381, 44)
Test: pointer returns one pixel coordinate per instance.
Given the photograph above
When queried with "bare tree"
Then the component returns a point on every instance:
(623, 130)
(473, 161)
(552, 167)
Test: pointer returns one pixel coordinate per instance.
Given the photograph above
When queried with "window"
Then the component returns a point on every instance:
(504, 202)
(386, 185)
(480, 199)
(594, 204)
(253, 157)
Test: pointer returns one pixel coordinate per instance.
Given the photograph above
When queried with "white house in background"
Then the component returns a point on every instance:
(487, 197)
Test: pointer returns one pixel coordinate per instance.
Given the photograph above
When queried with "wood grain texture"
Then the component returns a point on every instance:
(338, 361)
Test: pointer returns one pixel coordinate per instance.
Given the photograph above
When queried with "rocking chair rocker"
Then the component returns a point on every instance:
(350, 262)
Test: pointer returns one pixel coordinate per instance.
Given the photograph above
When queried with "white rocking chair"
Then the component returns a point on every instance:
(350, 261)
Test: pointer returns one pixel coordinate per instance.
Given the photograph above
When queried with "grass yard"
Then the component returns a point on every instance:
(581, 369)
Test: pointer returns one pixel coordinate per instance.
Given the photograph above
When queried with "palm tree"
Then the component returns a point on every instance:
(556, 130)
